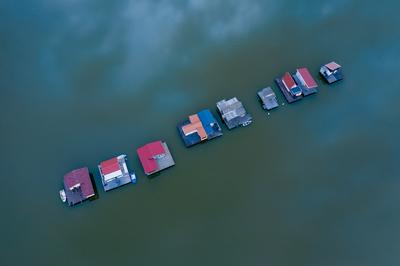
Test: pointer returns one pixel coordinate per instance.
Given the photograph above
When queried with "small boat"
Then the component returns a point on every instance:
(133, 178)
(63, 196)
(246, 123)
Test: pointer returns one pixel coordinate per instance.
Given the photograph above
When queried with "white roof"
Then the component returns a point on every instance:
(112, 175)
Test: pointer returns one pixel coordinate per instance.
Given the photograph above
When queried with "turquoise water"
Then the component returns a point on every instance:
(314, 183)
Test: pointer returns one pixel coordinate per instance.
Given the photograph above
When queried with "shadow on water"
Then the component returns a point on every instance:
(96, 192)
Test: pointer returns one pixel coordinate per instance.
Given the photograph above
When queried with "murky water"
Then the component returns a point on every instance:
(315, 183)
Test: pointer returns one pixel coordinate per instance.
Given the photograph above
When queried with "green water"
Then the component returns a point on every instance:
(316, 183)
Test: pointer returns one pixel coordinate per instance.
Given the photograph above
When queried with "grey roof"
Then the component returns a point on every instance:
(233, 112)
(268, 98)
(165, 161)
(230, 109)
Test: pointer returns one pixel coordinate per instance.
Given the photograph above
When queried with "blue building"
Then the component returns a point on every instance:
(332, 72)
(199, 127)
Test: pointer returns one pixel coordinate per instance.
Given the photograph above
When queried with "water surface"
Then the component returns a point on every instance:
(314, 183)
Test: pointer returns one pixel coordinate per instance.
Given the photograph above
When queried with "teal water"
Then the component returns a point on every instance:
(315, 183)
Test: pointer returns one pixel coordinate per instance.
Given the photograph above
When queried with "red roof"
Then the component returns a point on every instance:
(308, 79)
(195, 126)
(288, 81)
(333, 66)
(80, 176)
(110, 166)
(147, 153)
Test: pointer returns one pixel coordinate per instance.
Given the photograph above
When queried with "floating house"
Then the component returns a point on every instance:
(78, 187)
(289, 88)
(155, 157)
(332, 72)
(268, 98)
(114, 173)
(305, 81)
(233, 113)
(199, 127)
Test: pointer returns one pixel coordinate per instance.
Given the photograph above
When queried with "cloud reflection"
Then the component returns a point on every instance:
(145, 34)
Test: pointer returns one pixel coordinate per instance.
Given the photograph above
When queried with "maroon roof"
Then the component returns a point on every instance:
(80, 176)
(288, 81)
(333, 66)
(110, 166)
(147, 153)
(308, 79)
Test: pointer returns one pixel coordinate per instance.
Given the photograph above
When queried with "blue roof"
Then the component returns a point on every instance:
(210, 125)
(296, 90)
(207, 119)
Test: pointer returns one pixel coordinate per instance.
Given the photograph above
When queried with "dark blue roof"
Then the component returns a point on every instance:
(296, 90)
(207, 119)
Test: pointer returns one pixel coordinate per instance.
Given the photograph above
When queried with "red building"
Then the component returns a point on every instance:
(305, 78)
(77, 186)
(291, 85)
(155, 157)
